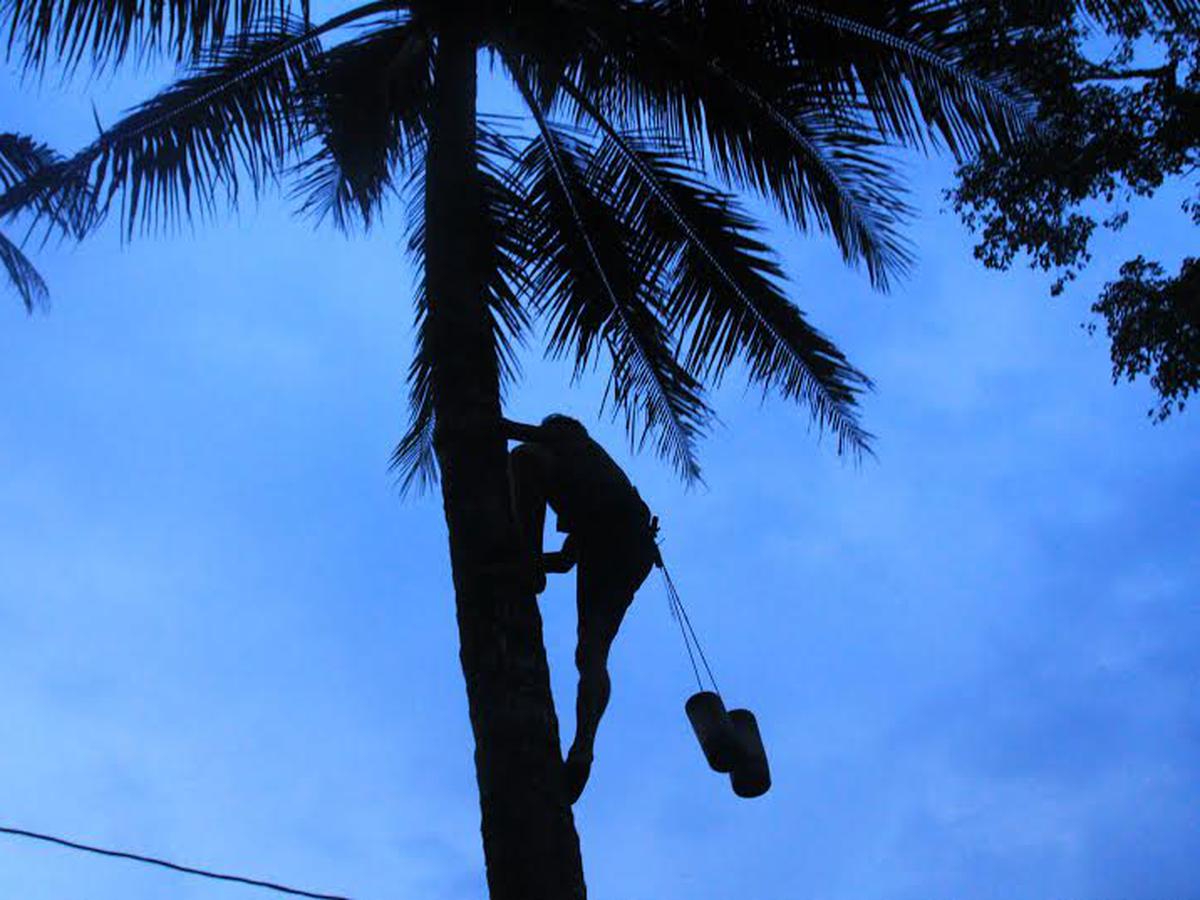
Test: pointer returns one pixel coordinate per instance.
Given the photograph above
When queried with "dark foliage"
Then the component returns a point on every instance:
(105, 31)
(1118, 89)
(21, 160)
(604, 217)
(1154, 324)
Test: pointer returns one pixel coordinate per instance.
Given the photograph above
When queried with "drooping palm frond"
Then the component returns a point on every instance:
(177, 155)
(769, 120)
(599, 282)
(506, 284)
(1179, 13)
(235, 117)
(820, 168)
(22, 275)
(105, 31)
(23, 162)
(726, 299)
(366, 101)
(905, 59)
(22, 157)
(712, 277)
(899, 59)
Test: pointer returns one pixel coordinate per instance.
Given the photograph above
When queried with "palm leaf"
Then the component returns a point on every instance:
(191, 146)
(822, 168)
(595, 284)
(105, 31)
(899, 60)
(1180, 13)
(22, 275)
(366, 101)
(24, 163)
(917, 44)
(235, 116)
(726, 301)
(22, 157)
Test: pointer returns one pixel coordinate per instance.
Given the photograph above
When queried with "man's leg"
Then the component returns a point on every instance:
(605, 589)
(528, 474)
(595, 688)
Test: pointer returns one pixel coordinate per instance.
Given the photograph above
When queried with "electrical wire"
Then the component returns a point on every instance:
(150, 860)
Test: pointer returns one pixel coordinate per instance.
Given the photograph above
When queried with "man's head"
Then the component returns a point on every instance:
(564, 425)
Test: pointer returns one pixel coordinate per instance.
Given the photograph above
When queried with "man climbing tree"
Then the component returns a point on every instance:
(600, 221)
(610, 536)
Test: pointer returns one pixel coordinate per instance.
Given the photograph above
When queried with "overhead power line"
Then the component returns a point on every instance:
(166, 864)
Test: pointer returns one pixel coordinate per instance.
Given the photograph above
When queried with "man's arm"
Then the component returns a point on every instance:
(561, 561)
(517, 431)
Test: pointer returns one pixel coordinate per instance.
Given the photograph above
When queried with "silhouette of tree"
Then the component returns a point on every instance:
(1118, 93)
(608, 215)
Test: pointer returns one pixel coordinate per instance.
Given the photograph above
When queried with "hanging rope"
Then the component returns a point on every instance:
(679, 612)
(673, 604)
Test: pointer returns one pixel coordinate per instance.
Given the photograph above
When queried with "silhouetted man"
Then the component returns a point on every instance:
(610, 535)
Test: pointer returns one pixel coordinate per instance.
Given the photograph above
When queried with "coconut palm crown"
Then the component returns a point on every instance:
(612, 216)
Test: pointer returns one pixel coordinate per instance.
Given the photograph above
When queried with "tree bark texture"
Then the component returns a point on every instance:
(529, 839)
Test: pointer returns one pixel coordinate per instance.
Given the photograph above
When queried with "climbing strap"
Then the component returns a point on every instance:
(679, 614)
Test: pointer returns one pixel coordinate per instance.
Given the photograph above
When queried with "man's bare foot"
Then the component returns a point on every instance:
(576, 769)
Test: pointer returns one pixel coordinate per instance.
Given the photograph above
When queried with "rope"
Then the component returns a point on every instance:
(685, 628)
(188, 870)
(673, 603)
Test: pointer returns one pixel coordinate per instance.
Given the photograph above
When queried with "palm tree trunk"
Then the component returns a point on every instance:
(529, 838)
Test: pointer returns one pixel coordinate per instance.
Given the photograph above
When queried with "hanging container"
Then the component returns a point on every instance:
(714, 730)
(751, 776)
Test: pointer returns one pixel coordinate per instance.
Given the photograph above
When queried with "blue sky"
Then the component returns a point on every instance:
(225, 639)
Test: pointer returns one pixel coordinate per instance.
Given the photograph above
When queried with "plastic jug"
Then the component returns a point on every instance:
(714, 730)
(750, 776)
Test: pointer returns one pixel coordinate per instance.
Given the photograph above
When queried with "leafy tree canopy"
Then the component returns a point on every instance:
(1118, 89)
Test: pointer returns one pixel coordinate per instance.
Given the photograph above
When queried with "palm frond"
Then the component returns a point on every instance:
(821, 168)
(235, 116)
(1179, 13)
(181, 153)
(899, 60)
(596, 283)
(22, 275)
(366, 101)
(904, 58)
(23, 164)
(106, 31)
(194, 143)
(821, 164)
(726, 296)
(415, 458)
(21, 157)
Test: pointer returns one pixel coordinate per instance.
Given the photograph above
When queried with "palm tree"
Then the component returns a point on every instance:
(609, 215)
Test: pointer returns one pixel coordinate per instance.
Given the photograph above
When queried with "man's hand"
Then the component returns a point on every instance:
(518, 431)
(563, 560)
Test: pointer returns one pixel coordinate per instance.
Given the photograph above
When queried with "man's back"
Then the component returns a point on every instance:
(589, 491)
